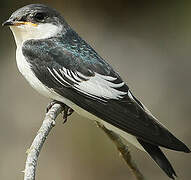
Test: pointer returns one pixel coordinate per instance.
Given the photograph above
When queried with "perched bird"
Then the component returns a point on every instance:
(59, 64)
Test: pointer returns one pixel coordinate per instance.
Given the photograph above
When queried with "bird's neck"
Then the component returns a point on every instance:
(27, 32)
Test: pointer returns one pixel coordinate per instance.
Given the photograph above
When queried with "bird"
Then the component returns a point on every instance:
(62, 66)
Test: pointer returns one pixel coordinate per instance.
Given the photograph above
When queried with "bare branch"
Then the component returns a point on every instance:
(123, 149)
(34, 150)
(48, 124)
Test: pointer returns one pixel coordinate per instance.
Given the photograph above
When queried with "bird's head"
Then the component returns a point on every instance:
(35, 21)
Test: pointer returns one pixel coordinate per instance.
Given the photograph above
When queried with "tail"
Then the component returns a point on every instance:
(159, 157)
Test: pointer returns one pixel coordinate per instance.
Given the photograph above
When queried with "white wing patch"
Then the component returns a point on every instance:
(57, 77)
(97, 86)
(101, 86)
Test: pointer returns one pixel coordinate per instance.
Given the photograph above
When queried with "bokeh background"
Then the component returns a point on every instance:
(148, 42)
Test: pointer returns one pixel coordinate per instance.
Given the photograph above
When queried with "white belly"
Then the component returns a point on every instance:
(25, 69)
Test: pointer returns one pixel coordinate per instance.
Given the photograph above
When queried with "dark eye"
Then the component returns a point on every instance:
(39, 16)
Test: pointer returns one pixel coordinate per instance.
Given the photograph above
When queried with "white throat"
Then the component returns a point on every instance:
(27, 32)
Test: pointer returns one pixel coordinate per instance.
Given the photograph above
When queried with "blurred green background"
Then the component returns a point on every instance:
(148, 42)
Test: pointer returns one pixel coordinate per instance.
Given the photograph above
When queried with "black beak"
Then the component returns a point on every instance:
(9, 22)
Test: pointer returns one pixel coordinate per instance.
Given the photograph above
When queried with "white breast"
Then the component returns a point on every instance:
(25, 69)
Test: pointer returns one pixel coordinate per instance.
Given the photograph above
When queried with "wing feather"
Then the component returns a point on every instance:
(94, 86)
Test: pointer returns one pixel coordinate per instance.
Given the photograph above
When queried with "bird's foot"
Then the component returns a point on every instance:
(67, 110)
(51, 104)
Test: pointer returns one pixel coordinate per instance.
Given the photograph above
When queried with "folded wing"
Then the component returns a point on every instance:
(74, 70)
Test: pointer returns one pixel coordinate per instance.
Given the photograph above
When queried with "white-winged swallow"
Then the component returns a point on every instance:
(59, 64)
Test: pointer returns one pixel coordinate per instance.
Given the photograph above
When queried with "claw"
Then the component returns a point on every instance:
(70, 111)
(67, 110)
(50, 105)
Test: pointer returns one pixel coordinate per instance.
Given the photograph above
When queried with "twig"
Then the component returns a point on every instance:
(48, 124)
(33, 152)
(123, 149)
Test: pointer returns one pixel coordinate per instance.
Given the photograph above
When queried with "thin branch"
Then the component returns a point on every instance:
(123, 149)
(48, 124)
(34, 151)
